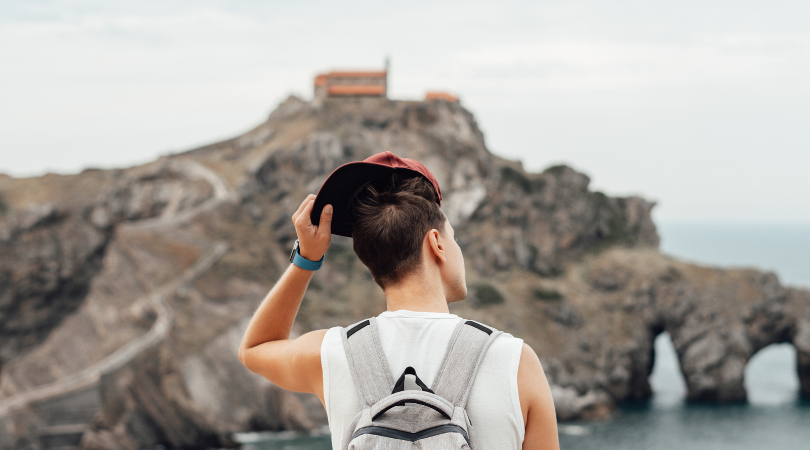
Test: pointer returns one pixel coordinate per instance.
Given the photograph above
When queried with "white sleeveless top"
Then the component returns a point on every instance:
(420, 340)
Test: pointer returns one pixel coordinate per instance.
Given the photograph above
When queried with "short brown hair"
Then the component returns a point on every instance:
(392, 215)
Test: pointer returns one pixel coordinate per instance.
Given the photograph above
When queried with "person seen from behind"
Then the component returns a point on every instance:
(415, 373)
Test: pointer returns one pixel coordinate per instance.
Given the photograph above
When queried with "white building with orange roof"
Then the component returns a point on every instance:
(352, 84)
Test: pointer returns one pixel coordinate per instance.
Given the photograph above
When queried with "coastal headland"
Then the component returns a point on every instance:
(124, 293)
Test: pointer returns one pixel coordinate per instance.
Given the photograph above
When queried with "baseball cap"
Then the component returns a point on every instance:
(348, 180)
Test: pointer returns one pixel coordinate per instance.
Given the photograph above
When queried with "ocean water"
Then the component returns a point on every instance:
(775, 417)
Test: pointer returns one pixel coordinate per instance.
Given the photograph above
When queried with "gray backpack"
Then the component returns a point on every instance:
(395, 418)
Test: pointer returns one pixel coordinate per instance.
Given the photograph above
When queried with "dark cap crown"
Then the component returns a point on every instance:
(345, 182)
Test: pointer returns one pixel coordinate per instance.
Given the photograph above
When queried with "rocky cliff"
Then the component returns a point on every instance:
(124, 293)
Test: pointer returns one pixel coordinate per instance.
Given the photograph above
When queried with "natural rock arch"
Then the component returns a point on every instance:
(665, 368)
(714, 354)
(770, 375)
(718, 320)
(801, 341)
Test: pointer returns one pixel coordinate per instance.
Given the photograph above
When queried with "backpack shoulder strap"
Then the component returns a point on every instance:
(367, 363)
(469, 343)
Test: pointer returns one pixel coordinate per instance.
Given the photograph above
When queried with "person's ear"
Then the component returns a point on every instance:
(437, 248)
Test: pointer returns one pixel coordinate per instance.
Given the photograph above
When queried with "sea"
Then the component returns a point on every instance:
(774, 417)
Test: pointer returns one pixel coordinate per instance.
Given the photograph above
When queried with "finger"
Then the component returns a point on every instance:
(310, 197)
(305, 218)
(325, 225)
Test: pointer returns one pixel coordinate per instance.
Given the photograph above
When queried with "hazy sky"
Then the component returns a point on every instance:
(702, 106)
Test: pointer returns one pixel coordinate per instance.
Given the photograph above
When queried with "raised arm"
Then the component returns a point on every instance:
(537, 405)
(266, 348)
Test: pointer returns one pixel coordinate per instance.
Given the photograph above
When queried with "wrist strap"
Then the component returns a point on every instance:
(306, 264)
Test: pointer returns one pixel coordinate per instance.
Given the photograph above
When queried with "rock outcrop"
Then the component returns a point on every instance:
(717, 320)
(124, 293)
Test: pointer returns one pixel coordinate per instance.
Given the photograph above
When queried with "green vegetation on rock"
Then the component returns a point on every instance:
(546, 294)
(487, 294)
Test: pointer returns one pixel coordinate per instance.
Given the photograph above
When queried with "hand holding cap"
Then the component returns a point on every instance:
(313, 240)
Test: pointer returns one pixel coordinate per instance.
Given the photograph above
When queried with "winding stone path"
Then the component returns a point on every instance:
(61, 424)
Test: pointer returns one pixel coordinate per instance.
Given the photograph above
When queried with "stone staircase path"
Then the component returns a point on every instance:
(66, 407)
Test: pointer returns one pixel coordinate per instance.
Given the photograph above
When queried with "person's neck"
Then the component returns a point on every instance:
(417, 293)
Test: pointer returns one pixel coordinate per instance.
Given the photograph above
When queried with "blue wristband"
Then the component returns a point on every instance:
(302, 262)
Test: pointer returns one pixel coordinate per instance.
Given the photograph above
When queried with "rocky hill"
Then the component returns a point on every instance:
(124, 293)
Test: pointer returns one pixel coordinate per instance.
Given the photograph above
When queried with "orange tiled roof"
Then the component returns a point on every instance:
(321, 80)
(346, 89)
(441, 96)
(358, 74)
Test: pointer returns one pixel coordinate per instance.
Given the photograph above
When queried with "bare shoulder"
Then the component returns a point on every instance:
(530, 378)
(292, 364)
(536, 403)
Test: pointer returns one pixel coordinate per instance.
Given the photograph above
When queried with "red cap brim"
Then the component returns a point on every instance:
(343, 183)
